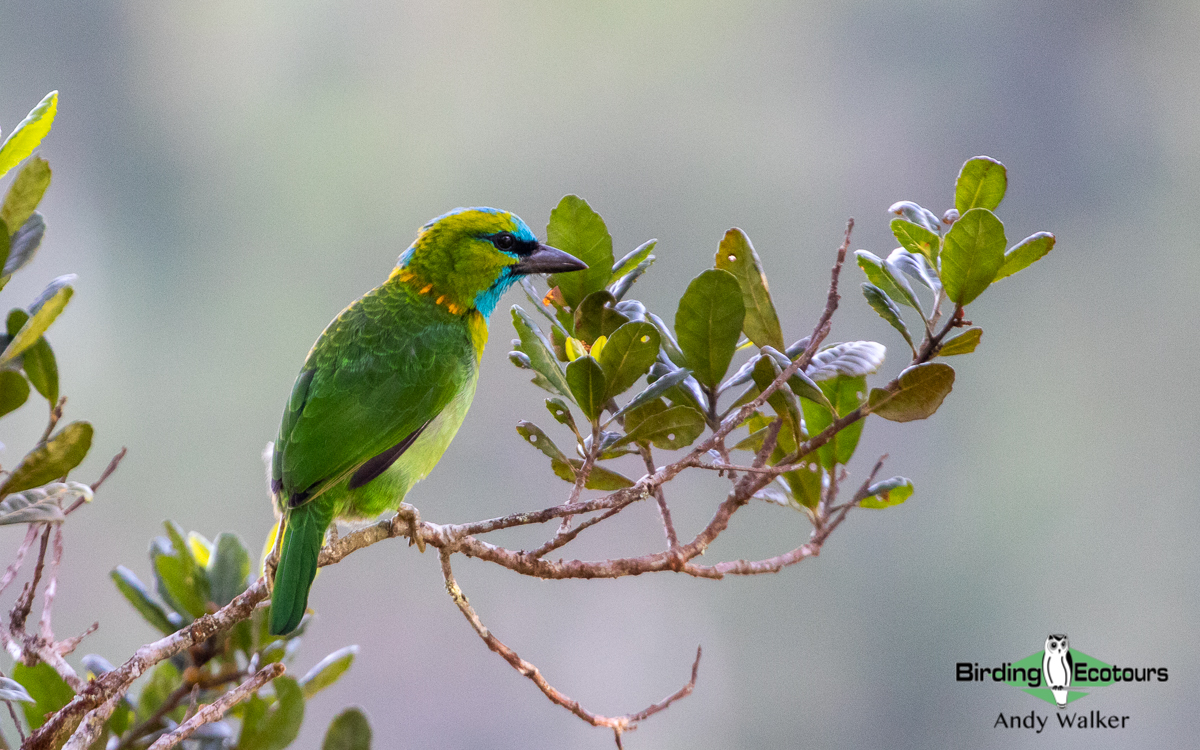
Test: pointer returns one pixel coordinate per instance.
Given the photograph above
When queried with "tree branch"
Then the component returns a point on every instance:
(215, 710)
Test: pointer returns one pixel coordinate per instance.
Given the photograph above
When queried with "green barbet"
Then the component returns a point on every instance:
(388, 383)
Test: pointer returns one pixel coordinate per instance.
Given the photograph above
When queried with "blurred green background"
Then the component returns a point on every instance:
(228, 175)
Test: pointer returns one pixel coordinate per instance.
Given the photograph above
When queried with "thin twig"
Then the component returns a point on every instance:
(15, 566)
(55, 415)
(20, 610)
(618, 724)
(663, 510)
(215, 710)
(56, 554)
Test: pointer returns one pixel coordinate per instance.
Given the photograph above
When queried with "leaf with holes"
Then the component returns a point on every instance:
(852, 358)
(964, 343)
(561, 413)
(577, 230)
(670, 428)
(1027, 252)
(916, 238)
(586, 380)
(628, 355)
(541, 358)
(972, 255)
(538, 439)
(52, 459)
(919, 392)
(708, 324)
(737, 256)
(981, 183)
(887, 493)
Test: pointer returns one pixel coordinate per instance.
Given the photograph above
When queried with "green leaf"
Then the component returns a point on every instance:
(887, 310)
(44, 685)
(621, 286)
(631, 261)
(586, 379)
(972, 255)
(11, 690)
(655, 390)
(783, 400)
(599, 478)
(964, 343)
(163, 681)
(628, 355)
(29, 133)
(1027, 252)
(42, 504)
(918, 215)
(916, 267)
(228, 568)
(920, 391)
(541, 357)
(981, 184)
(670, 346)
(42, 368)
(561, 413)
(14, 391)
(737, 256)
(536, 437)
(52, 459)
(852, 358)
(846, 393)
(25, 192)
(708, 324)
(805, 484)
(887, 493)
(878, 274)
(916, 238)
(576, 229)
(349, 730)
(672, 428)
(22, 245)
(184, 580)
(595, 317)
(327, 671)
(280, 725)
(133, 590)
(5, 246)
(42, 314)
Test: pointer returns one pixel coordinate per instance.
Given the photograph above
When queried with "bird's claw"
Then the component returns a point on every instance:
(413, 516)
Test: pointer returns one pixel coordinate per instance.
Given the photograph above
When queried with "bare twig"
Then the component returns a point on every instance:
(663, 510)
(15, 566)
(55, 415)
(56, 554)
(215, 710)
(618, 724)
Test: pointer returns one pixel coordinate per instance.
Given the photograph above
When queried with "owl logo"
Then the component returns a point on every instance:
(1057, 667)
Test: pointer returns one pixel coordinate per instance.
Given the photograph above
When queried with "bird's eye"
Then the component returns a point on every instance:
(505, 241)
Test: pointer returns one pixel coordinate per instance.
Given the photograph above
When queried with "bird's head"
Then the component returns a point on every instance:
(468, 257)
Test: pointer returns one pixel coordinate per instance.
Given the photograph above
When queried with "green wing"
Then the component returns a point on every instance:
(379, 373)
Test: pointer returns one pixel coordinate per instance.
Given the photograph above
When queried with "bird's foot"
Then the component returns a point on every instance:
(413, 516)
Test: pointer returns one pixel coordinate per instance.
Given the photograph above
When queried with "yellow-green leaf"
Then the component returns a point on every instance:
(29, 133)
(52, 459)
(708, 324)
(737, 256)
(981, 183)
(25, 193)
(1025, 253)
(972, 255)
(964, 343)
(45, 310)
(919, 392)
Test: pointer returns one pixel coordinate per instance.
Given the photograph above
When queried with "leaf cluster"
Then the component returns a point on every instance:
(601, 344)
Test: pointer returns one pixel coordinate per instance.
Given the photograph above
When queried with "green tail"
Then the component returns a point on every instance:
(303, 535)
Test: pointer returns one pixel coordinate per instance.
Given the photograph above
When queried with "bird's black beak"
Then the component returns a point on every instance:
(547, 259)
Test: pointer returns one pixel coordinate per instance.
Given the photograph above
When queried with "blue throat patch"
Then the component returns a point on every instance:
(486, 301)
